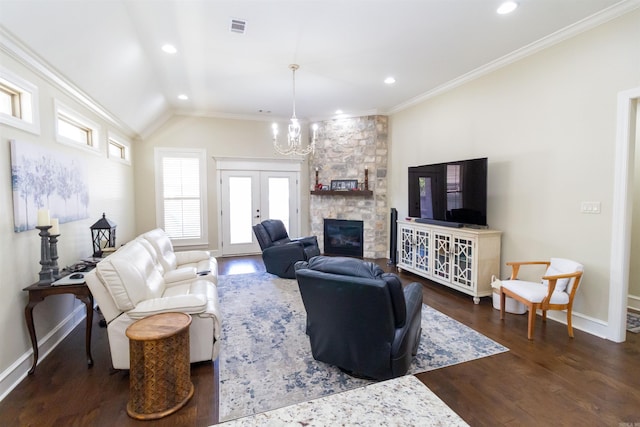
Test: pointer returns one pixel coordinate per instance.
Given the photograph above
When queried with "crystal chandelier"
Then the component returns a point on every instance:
(294, 146)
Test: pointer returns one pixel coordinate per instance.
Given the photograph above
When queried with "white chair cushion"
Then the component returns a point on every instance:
(534, 292)
(561, 266)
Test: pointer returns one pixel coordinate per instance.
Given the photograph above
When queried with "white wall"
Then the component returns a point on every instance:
(111, 191)
(221, 138)
(547, 125)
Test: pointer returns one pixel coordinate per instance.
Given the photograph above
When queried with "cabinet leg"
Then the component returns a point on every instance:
(476, 300)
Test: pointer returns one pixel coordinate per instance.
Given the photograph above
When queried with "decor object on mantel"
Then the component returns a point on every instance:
(366, 178)
(104, 230)
(294, 145)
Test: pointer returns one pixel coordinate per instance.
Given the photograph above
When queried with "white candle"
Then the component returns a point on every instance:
(55, 227)
(43, 217)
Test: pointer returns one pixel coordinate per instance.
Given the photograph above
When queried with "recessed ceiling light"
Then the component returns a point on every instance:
(389, 80)
(507, 7)
(183, 97)
(339, 111)
(169, 48)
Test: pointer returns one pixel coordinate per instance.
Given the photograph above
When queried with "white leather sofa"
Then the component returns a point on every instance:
(176, 267)
(128, 285)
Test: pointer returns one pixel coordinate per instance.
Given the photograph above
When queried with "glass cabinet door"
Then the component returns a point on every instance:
(406, 246)
(441, 256)
(422, 238)
(463, 253)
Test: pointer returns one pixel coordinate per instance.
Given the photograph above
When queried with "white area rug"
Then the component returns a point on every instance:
(265, 356)
(402, 401)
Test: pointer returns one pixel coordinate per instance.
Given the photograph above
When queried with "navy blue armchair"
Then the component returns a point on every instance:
(279, 251)
(359, 318)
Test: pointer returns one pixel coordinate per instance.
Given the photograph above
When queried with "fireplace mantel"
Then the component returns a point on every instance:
(342, 193)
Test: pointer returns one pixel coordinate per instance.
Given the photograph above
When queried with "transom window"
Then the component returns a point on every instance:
(74, 129)
(10, 101)
(119, 148)
(18, 102)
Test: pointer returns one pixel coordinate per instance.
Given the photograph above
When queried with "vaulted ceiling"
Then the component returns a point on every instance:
(111, 50)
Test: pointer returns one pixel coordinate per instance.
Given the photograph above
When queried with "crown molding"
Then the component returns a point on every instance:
(579, 27)
(13, 47)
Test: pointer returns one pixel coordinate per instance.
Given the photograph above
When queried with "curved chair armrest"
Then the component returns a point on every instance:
(515, 266)
(180, 275)
(413, 298)
(280, 259)
(310, 245)
(553, 280)
(283, 249)
(413, 301)
(307, 241)
(192, 256)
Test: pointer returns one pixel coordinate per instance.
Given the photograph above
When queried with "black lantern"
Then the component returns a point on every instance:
(103, 231)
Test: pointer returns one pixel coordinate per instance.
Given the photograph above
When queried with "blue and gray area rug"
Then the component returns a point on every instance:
(633, 322)
(265, 358)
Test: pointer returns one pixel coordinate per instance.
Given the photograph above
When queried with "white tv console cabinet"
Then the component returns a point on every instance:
(461, 258)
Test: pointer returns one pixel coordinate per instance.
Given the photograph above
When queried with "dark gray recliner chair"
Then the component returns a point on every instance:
(279, 252)
(358, 317)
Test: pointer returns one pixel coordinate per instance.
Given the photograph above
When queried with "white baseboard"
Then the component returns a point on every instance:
(633, 301)
(15, 373)
(581, 322)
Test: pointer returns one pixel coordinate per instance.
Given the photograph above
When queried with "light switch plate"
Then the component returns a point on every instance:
(590, 207)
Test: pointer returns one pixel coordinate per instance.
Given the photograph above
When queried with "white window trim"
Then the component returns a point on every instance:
(201, 154)
(112, 136)
(23, 87)
(96, 129)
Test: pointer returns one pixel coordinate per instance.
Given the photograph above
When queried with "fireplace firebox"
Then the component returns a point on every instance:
(343, 237)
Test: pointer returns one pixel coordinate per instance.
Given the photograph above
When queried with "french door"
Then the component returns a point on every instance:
(251, 196)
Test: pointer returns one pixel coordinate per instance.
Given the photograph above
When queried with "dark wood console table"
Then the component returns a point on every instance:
(38, 293)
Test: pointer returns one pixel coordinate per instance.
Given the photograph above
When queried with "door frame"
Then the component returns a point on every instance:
(256, 164)
(621, 214)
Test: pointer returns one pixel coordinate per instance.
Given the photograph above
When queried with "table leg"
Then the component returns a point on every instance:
(88, 302)
(28, 314)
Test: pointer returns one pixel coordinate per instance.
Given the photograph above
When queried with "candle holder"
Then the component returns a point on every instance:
(316, 187)
(46, 274)
(366, 179)
(53, 255)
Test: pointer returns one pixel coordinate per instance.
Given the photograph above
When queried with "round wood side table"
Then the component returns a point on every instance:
(160, 372)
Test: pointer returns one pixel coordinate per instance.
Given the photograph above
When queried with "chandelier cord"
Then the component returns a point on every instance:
(294, 68)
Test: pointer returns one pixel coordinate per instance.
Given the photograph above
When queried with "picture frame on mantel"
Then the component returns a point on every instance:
(344, 184)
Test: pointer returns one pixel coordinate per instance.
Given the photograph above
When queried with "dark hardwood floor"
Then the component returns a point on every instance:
(553, 380)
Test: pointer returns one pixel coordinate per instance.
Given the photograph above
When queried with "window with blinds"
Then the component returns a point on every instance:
(181, 184)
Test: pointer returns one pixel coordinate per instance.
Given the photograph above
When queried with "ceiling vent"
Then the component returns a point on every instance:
(238, 26)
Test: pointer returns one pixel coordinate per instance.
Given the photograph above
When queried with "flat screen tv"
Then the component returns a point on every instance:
(452, 193)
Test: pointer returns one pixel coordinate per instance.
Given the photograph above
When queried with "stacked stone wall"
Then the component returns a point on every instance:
(344, 149)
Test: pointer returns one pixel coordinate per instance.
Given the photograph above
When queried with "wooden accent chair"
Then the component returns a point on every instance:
(556, 291)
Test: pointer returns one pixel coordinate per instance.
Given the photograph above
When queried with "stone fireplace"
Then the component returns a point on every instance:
(344, 149)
